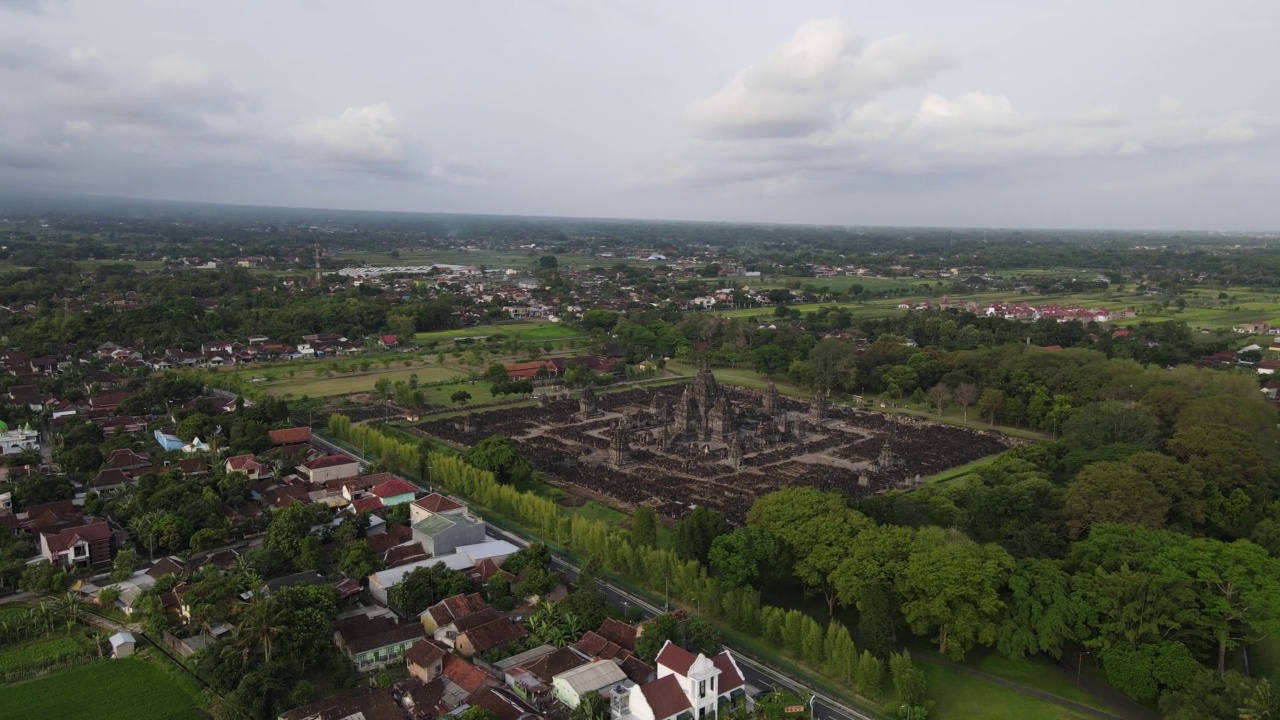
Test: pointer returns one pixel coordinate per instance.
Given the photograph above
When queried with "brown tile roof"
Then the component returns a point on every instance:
(475, 619)
(457, 607)
(289, 436)
(665, 697)
(637, 670)
(67, 537)
(126, 459)
(109, 477)
(244, 463)
(498, 633)
(676, 658)
(501, 703)
(367, 702)
(435, 502)
(362, 482)
(165, 566)
(554, 663)
(405, 554)
(425, 698)
(396, 534)
(361, 633)
(48, 514)
(425, 653)
(619, 632)
(193, 466)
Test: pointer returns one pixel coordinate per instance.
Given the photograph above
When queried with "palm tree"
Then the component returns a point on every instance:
(147, 527)
(592, 706)
(261, 622)
(71, 605)
(1261, 703)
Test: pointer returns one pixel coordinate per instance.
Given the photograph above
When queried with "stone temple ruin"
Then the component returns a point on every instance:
(675, 447)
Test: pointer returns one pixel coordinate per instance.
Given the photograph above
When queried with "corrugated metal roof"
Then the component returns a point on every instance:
(592, 676)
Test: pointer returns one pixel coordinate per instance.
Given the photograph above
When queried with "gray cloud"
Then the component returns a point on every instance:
(826, 105)
(33, 7)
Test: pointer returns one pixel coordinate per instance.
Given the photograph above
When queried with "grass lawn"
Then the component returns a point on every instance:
(306, 382)
(961, 697)
(1035, 672)
(598, 511)
(958, 472)
(129, 689)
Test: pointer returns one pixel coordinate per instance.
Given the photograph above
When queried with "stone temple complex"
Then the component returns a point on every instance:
(676, 446)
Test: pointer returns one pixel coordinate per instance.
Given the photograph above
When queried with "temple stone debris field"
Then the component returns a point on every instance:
(677, 447)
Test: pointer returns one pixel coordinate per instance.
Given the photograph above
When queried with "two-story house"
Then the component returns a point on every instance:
(88, 544)
(688, 687)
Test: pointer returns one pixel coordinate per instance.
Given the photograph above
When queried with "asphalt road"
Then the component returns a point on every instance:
(758, 676)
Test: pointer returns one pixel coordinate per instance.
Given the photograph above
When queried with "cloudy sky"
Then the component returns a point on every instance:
(1053, 113)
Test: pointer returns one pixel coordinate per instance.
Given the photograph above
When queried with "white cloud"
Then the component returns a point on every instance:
(826, 106)
(370, 139)
(821, 70)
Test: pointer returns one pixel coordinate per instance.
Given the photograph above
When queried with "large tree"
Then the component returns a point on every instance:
(749, 556)
(1112, 492)
(695, 533)
(499, 455)
(954, 590)
(817, 527)
(1237, 590)
(1041, 614)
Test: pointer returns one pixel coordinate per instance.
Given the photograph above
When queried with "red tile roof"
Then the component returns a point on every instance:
(730, 678)
(676, 658)
(290, 436)
(367, 503)
(435, 502)
(666, 697)
(393, 487)
(463, 674)
(326, 461)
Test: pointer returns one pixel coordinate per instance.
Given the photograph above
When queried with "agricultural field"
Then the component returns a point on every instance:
(22, 659)
(128, 689)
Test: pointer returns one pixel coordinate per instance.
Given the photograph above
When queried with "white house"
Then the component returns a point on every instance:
(688, 687)
(122, 644)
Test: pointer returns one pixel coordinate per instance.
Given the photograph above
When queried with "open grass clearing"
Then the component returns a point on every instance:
(962, 697)
(128, 689)
(312, 385)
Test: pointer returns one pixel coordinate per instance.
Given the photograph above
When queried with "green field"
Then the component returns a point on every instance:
(129, 689)
(306, 382)
(22, 659)
(527, 331)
